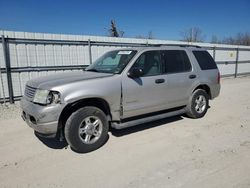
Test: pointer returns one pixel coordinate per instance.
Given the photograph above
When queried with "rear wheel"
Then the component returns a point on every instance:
(86, 129)
(198, 104)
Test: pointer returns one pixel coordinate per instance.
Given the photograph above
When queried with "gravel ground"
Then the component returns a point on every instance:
(9, 111)
(211, 152)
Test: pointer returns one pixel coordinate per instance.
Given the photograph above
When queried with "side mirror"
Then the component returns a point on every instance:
(135, 73)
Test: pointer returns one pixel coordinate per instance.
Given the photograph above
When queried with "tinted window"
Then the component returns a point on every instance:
(149, 62)
(205, 60)
(175, 61)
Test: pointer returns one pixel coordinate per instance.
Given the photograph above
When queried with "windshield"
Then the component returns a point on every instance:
(112, 62)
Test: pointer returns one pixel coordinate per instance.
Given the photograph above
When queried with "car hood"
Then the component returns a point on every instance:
(50, 81)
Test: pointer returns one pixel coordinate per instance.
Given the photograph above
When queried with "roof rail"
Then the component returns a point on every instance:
(181, 45)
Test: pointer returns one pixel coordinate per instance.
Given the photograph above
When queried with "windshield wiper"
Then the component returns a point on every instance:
(92, 70)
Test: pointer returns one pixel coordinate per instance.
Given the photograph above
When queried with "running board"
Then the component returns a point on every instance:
(146, 119)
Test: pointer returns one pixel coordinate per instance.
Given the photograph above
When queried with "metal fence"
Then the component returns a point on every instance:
(24, 56)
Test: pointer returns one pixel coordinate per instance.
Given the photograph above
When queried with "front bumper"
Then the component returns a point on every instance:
(43, 119)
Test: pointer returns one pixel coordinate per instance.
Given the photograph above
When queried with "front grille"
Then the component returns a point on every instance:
(29, 91)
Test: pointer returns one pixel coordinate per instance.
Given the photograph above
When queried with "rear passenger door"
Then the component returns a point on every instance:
(179, 77)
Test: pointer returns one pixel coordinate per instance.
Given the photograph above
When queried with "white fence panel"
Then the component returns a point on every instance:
(243, 68)
(244, 56)
(65, 52)
(225, 55)
(226, 69)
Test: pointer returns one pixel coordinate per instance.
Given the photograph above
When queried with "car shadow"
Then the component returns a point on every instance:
(145, 126)
(53, 143)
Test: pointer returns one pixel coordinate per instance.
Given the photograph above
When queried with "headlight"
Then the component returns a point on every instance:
(53, 97)
(46, 97)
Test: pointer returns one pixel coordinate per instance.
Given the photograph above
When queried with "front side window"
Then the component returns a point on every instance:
(175, 61)
(112, 62)
(149, 62)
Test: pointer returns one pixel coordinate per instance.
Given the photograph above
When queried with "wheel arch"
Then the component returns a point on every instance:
(205, 87)
(72, 107)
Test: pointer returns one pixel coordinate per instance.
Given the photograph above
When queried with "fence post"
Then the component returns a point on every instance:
(214, 52)
(2, 85)
(8, 68)
(236, 63)
(90, 53)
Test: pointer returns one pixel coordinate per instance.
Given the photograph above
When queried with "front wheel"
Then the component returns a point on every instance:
(198, 104)
(86, 129)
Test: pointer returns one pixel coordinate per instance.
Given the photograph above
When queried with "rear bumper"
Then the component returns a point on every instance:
(215, 91)
(43, 119)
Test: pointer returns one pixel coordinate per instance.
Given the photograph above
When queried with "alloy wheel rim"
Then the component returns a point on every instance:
(90, 129)
(200, 104)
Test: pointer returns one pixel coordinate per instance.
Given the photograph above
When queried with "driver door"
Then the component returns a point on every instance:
(144, 94)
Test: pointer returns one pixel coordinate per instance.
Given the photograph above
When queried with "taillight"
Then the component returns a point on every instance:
(218, 78)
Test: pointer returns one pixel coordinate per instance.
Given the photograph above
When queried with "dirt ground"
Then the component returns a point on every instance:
(178, 152)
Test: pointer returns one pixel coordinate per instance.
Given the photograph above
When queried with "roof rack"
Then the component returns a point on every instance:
(181, 45)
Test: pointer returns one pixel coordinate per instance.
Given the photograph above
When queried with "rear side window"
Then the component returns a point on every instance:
(175, 61)
(205, 60)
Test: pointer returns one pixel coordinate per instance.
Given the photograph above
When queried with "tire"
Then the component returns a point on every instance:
(198, 104)
(86, 129)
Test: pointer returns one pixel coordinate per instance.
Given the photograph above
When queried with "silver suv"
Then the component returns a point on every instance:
(122, 88)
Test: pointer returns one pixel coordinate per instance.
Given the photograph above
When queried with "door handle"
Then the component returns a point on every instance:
(159, 81)
(192, 76)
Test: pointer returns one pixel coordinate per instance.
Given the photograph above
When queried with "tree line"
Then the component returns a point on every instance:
(193, 34)
(239, 39)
